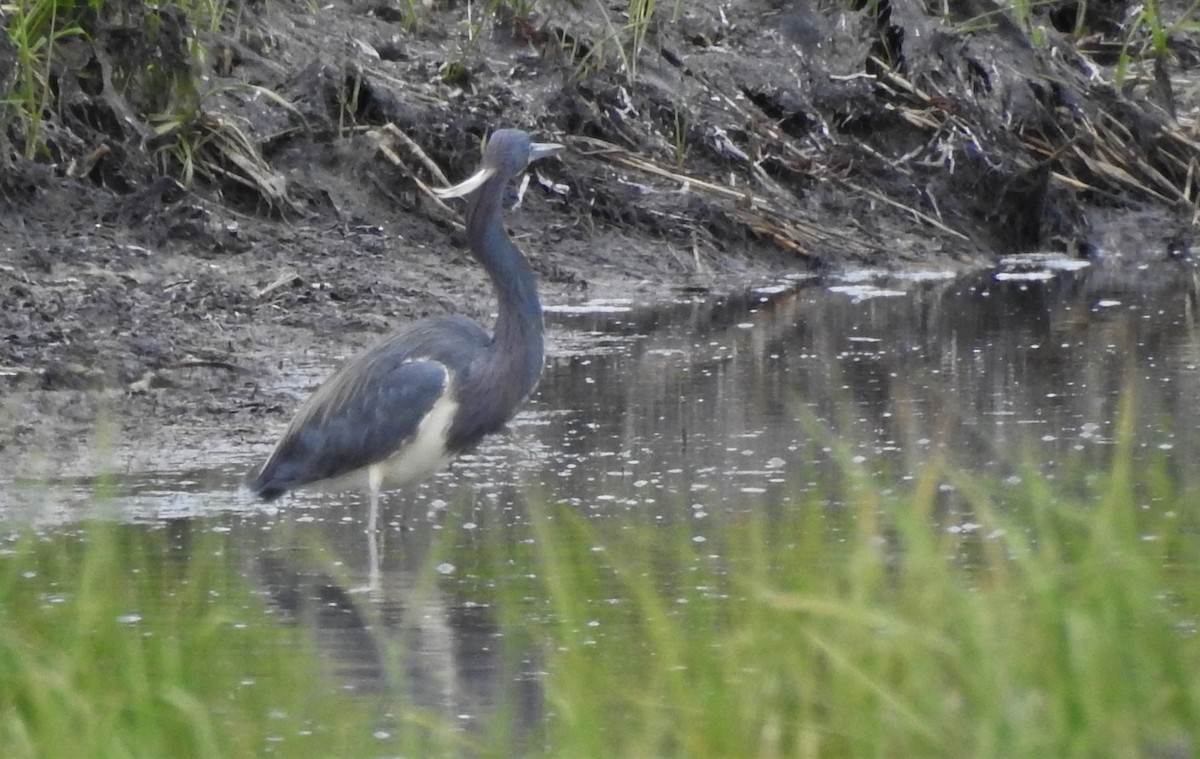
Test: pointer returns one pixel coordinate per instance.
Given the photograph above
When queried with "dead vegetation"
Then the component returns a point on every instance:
(884, 132)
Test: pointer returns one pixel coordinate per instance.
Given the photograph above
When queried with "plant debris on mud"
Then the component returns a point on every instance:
(192, 192)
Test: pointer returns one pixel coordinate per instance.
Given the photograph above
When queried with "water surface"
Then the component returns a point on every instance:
(688, 413)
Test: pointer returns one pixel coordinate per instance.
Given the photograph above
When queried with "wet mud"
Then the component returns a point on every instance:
(190, 229)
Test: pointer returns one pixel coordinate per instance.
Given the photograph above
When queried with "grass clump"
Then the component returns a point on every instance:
(1149, 36)
(1027, 624)
(140, 59)
(114, 644)
(34, 30)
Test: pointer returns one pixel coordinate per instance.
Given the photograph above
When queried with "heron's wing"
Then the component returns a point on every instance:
(361, 416)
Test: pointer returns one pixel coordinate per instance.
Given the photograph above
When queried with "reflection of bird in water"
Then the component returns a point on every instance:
(417, 642)
(400, 410)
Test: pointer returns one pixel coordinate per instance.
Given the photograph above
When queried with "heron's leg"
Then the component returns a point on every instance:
(375, 482)
(374, 571)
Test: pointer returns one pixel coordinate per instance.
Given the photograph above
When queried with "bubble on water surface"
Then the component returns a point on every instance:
(608, 306)
(865, 292)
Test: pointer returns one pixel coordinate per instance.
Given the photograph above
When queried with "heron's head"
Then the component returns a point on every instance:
(508, 152)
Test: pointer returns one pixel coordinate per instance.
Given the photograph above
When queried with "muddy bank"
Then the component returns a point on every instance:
(167, 246)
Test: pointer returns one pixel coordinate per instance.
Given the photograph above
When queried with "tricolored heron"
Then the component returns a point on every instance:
(399, 411)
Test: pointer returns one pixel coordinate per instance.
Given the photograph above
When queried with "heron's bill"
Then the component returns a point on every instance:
(540, 150)
(467, 186)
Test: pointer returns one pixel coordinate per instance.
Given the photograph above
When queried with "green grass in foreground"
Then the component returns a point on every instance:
(1061, 627)
(1055, 625)
(114, 645)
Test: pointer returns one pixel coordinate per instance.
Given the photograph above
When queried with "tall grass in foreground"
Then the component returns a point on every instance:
(1050, 626)
(113, 643)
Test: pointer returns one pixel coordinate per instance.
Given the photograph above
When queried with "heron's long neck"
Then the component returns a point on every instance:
(518, 333)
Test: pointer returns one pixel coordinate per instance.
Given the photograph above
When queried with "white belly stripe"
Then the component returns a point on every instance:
(425, 452)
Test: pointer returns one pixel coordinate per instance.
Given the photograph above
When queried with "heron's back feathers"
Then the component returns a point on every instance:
(372, 406)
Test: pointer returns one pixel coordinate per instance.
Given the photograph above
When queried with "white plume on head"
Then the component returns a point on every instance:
(467, 186)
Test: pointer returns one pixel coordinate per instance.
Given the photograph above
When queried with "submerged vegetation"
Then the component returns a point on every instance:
(1035, 616)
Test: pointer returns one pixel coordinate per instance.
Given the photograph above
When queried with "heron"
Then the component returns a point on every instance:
(403, 408)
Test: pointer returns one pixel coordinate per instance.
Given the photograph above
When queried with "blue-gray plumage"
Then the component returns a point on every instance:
(402, 409)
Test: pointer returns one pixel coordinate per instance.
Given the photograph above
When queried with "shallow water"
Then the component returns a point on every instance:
(691, 412)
